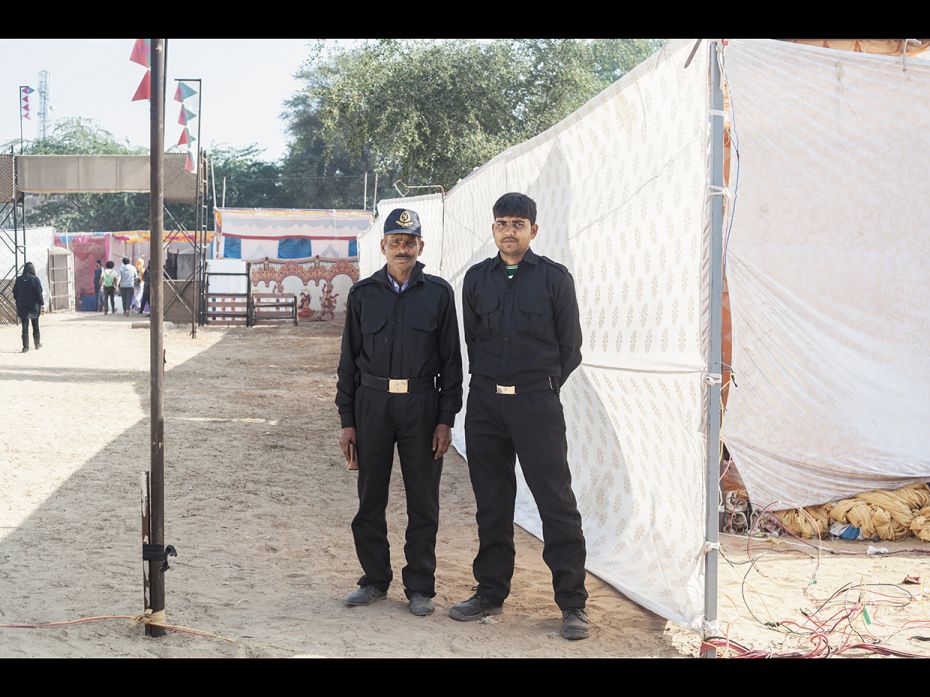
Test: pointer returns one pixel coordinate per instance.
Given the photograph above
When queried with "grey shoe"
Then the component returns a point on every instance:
(473, 609)
(364, 595)
(574, 623)
(421, 605)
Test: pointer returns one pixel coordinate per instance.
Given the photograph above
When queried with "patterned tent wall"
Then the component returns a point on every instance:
(620, 188)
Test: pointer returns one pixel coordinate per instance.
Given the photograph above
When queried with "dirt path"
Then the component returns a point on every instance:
(258, 505)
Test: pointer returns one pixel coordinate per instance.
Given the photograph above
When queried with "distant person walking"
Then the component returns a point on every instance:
(146, 289)
(98, 295)
(27, 292)
(127, 280)
(109, 280)
(137, 286)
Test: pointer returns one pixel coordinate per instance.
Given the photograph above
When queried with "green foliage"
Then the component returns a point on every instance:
(250, 182)
(424, 111)
(428, 112)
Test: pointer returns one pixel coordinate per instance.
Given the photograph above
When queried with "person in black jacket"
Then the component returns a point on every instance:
(399, 381)
(523, 335)
(28, 294)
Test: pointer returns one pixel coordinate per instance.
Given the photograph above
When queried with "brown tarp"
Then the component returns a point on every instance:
(101, 174)
(884, 47)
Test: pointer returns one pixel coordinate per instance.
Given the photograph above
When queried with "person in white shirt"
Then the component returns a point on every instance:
(127, 278)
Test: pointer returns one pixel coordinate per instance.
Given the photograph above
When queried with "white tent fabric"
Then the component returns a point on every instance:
(38, 240)
(261, 229)
(620, 188)
(828, 272)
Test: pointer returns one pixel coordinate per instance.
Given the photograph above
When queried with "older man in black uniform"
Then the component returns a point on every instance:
(524, 339)
(400, 381)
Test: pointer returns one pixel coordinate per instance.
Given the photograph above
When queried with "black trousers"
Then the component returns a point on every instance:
(109, 294)
(531, 425)
(409, 420)
(126, 296)
(35, 330)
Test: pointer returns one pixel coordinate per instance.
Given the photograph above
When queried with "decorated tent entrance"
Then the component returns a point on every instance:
(310, 254)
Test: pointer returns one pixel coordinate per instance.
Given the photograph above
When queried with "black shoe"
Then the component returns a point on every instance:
(364, 595)
(25, 349)
(38, 343)
(421, 605)
(574, 623)
(473, 609)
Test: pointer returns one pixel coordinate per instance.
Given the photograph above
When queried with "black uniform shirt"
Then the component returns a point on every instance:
(525, 329)
(405, 335)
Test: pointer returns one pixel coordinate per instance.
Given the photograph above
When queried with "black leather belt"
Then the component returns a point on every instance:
(489, 385)
(398, 386)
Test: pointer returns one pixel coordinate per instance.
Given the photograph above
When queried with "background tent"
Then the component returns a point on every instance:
(828, 273)
(310, 253)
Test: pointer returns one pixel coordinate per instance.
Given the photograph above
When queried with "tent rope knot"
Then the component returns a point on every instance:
(151, 617)
(713, 378)
(714, 190)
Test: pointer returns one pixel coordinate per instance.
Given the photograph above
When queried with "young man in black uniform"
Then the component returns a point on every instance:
(524, 340)
(400, 381)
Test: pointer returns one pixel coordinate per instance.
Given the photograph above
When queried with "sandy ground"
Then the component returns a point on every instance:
(258, 504)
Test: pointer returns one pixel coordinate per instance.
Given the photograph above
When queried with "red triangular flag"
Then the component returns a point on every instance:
(140, 53)
(26, 116)
(26, 108)
(177, 94)
(144, 90)
(188, 163)
(183, 139)
(182, 117)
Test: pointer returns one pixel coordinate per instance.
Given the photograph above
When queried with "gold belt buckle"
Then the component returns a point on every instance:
(506, 389)
(397, 386)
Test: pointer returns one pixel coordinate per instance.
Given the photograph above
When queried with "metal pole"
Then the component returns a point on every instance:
(19, 101)
(374, 195)
(156, 300)
(712, 522)
(197, 202)
(365, 195)
(16, 233)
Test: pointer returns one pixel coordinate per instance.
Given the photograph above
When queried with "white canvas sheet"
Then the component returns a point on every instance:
(828, 272)
(620, 188)
(38, 240)
(275, 223)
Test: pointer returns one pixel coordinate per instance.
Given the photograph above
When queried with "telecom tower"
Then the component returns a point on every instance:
(43, 105)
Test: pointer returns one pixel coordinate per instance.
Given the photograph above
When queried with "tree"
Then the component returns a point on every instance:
(250, 182)
(430, 111)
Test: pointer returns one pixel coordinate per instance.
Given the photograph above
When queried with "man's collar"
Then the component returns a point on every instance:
(530, 258)
(416, 276)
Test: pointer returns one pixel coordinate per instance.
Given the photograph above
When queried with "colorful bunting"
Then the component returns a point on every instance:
(184, 140)
(189, 163)
(27, 90)
(183, 92)
(141, 53)
(144, 90)
(185, 116)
